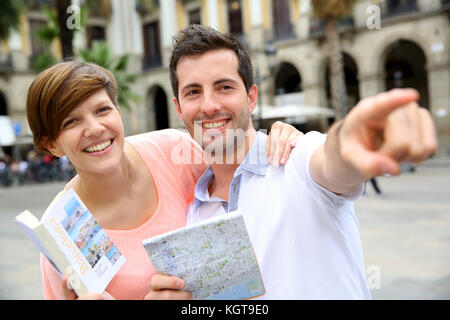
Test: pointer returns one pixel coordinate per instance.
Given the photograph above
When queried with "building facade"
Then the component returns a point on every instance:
(385, 44)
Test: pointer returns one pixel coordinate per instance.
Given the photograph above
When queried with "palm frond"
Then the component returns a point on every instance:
(325, 9)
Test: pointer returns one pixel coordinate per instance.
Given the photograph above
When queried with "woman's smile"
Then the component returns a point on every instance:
(100, 148)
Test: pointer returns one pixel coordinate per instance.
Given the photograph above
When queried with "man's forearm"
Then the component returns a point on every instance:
(329, 169)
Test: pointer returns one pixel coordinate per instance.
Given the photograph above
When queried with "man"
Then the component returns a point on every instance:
(299, 215)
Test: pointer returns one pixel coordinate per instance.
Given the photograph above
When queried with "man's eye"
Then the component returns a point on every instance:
(192, 92)
(226, 87)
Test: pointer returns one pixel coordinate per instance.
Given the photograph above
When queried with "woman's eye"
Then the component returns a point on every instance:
(68, 123)
(103, 109)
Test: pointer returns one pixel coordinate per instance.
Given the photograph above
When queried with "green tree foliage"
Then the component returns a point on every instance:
(10, 11)
(101, 54)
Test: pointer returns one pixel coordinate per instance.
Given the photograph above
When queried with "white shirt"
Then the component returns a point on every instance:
(306, 238)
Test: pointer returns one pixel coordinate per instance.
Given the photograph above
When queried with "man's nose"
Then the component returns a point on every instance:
(210, 105)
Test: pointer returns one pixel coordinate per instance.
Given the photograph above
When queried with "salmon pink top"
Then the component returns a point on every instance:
(175, 162)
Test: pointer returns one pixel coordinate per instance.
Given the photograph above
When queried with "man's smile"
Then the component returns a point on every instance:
(214, 124)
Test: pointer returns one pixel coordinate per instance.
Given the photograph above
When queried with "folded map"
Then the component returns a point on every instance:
(215, 258)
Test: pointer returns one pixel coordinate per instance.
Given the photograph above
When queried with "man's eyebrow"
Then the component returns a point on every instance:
(224, 80)
(190, 85)
(215, 83)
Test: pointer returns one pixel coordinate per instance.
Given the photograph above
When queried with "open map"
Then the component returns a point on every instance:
(215, 258)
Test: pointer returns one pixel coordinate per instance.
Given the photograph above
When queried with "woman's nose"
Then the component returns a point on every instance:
(94, 127)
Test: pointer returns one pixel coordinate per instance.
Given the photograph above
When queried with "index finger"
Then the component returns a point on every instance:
(380, 106)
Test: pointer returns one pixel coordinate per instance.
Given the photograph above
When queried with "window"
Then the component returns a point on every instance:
(152, 48)
(282, 20)
(396, 7)
(38, 46)
(194, 17)
(234, 17)
(95, 33)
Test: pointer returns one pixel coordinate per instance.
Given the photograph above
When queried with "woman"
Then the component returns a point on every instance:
(132, 186)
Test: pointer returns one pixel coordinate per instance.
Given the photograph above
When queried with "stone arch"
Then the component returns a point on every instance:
(4, 111)
(157, 106)
(404, 63)
(287, 79)
(381, 50)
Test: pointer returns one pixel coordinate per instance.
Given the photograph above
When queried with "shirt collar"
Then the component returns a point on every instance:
(201, 193)
(255, 161)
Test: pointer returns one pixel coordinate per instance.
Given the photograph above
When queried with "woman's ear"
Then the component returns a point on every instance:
(53, 149)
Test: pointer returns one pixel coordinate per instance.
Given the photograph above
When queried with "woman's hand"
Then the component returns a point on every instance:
(69, 293)
(282, 138)
(163, 287)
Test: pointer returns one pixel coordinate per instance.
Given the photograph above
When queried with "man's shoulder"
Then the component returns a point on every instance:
(307, 144)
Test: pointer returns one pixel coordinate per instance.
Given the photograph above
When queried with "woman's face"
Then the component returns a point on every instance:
(92, 135)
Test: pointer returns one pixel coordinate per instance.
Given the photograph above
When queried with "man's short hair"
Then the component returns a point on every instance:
(197, 39)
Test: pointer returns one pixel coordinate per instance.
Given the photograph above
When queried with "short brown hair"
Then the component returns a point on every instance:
(57, 91)
(197, 39)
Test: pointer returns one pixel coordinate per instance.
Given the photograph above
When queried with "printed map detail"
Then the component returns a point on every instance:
(215, 258)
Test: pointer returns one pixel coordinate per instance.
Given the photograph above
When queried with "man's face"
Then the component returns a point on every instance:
(212, 99)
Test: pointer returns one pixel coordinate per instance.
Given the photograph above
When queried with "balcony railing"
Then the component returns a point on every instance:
(146, 6)
(318, 26)
(283, 33)
(151, 62)
(393, 8)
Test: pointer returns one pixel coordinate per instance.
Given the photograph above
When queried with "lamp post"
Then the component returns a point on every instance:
(270, 52)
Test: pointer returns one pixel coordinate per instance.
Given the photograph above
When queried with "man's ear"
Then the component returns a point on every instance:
(53, 149)
(252, 98)
(177, 106)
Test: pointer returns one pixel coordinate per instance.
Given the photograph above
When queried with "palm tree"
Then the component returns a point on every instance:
(65, 33)
(10, 11)
(330, 11)
(101, 54)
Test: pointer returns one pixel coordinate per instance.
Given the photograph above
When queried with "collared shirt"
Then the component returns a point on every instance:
(255, 162)
(306, 238)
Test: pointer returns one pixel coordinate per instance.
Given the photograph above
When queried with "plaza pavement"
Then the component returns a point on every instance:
(405, 236)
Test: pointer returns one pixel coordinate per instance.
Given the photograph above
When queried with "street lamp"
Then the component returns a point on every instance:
(270, 52)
